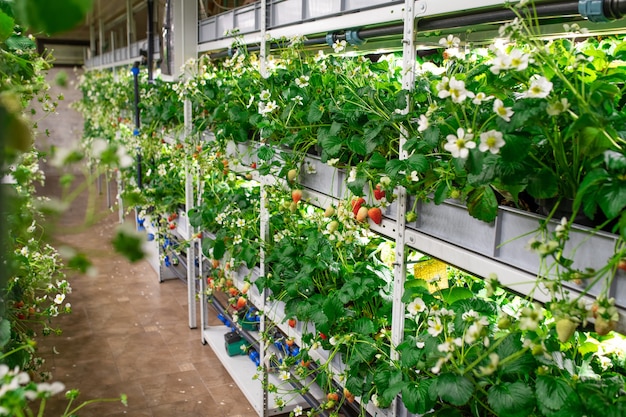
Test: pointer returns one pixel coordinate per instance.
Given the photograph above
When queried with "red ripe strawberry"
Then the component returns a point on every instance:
(289, 342)
(253, 165)
(172, 226)
(361, 215)
(332, 396)
(292, 323)
(375, 214)
(323, 336)
(356, 204)
(199, 235)
(172, 217)
(241, 303)
(379, 193)
(233, 291)
(296, 195)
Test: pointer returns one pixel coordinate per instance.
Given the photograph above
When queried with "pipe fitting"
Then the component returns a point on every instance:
(602, 10)
(592, 10)
(331, 38)
(353, 38)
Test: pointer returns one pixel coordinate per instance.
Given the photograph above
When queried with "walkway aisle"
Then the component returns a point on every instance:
(129, 334)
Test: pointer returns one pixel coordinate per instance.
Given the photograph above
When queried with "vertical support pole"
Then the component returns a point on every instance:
(92, 37)
(264, 215)
(129, 27)
(150, 40)
(100, 31)
(185, 32)
(408, 83)
(186, 47)
(135, 71)
(189, 204)
(120, 202)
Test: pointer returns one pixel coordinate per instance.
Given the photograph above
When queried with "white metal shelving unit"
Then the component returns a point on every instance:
(415, 21)
(418, 236)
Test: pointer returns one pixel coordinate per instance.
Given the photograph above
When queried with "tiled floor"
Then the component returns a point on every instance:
(129, 334)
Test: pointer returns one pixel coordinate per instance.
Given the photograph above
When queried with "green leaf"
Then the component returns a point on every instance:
(6, 26)
(514, 399)
(52, 16)
(335, 128)
(415, 397)
(454, 389)
(364, 326)
(543, 184)
(394, 167)
(356, 186)
(265, 153)
(316, 111)
(20, 43)
(5, 332)
(482, 204)
(207, 244)
(357, 145)
(329, 143)
(417, 162)
(249, 255)
(394, 389)
(370, 138)
(333, 308)
(409, 355)
(441, 193)
(129, 242)
(364, 352)
(219, 249)
(377, 161)
(615, 161)
(431, 136)
(195, 217)
(522, 365)
(552, 393)
(612, 198)
(455, 294)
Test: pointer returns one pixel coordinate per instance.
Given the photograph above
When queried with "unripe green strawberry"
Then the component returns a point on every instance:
(504, 322)
(292, 174)
(565, 328)
(332, 226)
(330, 211)
(411, 217)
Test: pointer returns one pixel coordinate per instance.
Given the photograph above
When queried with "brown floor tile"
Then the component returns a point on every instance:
(130, 334)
